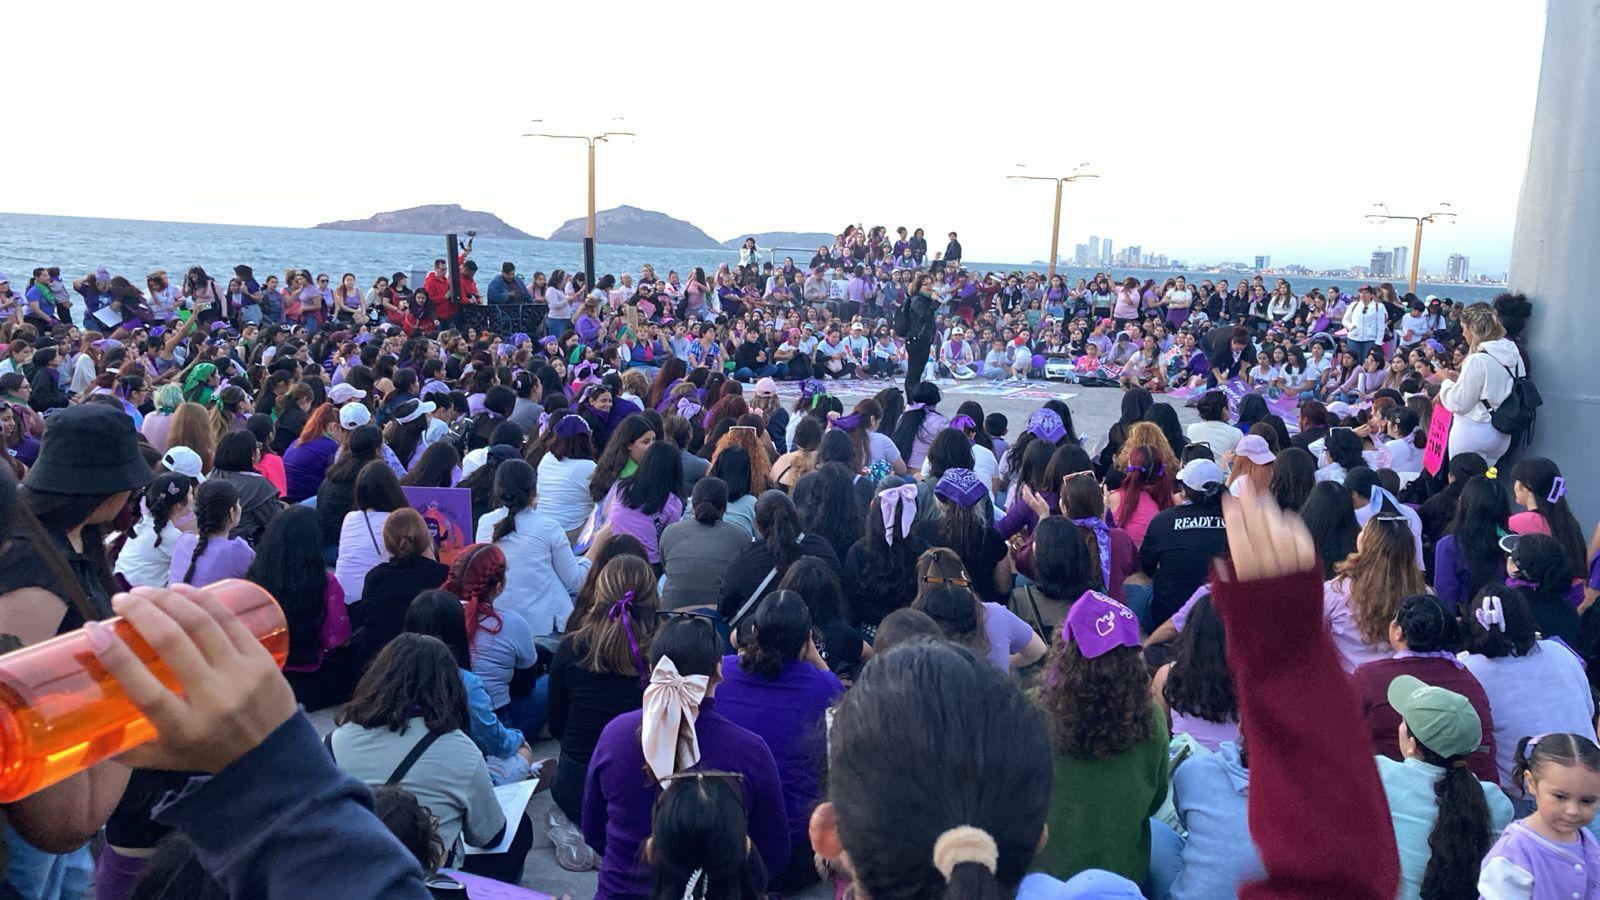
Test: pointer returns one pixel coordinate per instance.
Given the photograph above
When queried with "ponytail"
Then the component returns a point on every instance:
(1460, 835)
(514, 485)
(165, 491)
(776, 519)
(967, 857)
(476, 572)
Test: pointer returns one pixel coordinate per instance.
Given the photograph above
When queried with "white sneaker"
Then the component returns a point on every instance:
(571, 852)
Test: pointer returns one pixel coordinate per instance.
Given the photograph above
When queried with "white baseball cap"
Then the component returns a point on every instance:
(183, 461)
(354, 415)
(344, 393)
(1254, 448)
(1198, 473)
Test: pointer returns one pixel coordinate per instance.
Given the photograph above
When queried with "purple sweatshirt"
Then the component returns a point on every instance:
(1452, 573)
(787, 713)
(305, 464)
(1021, 515)
(618, 798)
(225, 557)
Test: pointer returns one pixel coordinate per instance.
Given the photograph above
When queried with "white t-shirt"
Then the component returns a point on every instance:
(564, 490)
(361, 548)
(141, 562)
(1404, 455)
(1221, 436)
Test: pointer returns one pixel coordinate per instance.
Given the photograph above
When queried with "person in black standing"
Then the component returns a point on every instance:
(952, 252)
(915, 325)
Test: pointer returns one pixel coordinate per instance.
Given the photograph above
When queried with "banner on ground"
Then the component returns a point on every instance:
(448, 512)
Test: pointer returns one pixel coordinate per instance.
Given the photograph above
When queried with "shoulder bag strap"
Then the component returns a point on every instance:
(756, 594)
(420, 748)
(1038, 620)
(370, 535)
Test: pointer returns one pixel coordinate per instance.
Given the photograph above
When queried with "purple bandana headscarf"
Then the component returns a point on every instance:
(1045, 424)
(571, 425)
(960, 486)
(1100, 624)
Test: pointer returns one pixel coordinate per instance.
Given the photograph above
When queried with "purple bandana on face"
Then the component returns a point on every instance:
(960, 486)
(1100, 624)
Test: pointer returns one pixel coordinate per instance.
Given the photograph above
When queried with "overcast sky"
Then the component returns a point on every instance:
(1220, 130)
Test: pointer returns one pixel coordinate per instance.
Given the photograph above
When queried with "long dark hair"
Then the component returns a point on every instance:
(413, 675)
(213, 504)
(832, 509)
(515, 484)
(958, 613)
(949, 449)
(815, 583)
(290, 566)
(615, 456)
(931, 720)
(905, 431)
(435, 468)
(778, 633)
(1481, 513)
(887, 576)
(1063, 569)
(1461, 832)
(1200, 683)
(699, 830)
(1294, 474)
(437, 613)
(165, 491)
(1330, 516)
(1098, 707)
(779, 527)
(1515, 635)
(1539, 475)
(733, 467)
(378, 490)
(655, 481)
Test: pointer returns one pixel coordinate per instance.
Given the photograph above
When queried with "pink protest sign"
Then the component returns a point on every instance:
(1438, 437)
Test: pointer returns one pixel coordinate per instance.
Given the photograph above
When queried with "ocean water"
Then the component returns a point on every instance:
(133, 248)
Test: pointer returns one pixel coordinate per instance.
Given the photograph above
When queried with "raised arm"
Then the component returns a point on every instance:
(1317, 810)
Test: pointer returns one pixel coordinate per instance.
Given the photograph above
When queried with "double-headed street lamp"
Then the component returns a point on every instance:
(1381, 214)
(1055, 224)
(588, 239)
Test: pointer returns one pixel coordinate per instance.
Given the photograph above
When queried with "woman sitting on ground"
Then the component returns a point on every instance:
(880, 568)
(1360, 602)
(987, 629)
(696, 550)
(391, 585)
(1196, 688)
(289, 565)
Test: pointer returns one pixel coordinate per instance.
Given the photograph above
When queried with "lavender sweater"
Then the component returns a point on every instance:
(618, 797)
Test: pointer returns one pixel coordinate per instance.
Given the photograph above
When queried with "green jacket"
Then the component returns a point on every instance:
(1100, 809)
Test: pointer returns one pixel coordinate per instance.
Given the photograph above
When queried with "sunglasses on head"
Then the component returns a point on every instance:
(940, 579)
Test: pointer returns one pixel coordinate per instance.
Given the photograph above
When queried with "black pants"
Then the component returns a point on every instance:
(916, 361)
(507, 866)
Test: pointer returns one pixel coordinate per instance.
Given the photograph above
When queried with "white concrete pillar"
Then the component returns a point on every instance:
(1555, 257)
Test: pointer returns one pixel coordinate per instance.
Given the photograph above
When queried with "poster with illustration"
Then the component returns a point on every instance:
(448, 512)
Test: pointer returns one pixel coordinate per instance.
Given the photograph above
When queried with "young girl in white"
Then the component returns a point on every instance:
(146, 556)
(1551, 852)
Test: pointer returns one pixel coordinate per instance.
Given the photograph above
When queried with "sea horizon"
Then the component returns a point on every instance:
(134, 247)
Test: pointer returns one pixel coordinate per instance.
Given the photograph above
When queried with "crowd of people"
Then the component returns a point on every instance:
(897, 645)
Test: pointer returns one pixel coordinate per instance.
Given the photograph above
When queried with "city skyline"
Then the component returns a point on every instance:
(295, 144)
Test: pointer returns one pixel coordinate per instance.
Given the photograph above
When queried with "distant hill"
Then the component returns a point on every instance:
(808, 240)
(637, 227)
(437, 218)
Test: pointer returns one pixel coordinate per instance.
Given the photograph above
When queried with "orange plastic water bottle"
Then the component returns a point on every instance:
(62, 712)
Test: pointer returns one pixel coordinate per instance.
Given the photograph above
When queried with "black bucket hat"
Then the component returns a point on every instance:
(89, 449)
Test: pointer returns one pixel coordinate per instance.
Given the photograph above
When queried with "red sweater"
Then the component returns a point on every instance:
(1371, 682)
(1317, 811)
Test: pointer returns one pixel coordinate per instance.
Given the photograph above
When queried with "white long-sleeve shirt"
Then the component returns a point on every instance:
(1483, 378)
(1365, 321)
(542, 572)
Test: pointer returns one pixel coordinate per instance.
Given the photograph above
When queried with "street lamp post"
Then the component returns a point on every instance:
(1055, 222)
(1381, 214)
(588, 239)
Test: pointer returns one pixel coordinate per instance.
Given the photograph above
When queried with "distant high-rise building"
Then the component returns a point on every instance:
(1457, 267)
(1263, 261)
(1080, 255)
(1106, 251)
(1382, 263)
(1134, 254)
(1402, 261)
(1094, 248)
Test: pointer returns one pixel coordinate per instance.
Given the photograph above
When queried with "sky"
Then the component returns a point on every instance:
(1219, 130)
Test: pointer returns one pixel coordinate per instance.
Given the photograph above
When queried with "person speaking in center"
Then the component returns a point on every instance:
(915, 326)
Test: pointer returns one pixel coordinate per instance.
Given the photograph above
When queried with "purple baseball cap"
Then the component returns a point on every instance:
(1100, 624)
(962, 487)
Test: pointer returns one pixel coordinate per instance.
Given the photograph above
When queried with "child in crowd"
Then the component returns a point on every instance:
(1550, 853)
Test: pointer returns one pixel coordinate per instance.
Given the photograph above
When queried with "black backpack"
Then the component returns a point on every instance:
(1517, 412)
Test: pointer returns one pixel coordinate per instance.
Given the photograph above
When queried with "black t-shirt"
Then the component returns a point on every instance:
(1177, 552)
(980, 560)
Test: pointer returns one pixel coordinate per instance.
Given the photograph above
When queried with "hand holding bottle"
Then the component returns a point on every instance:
(232, 693)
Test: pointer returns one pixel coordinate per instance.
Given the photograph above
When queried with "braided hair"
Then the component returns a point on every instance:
(213, 508)
(164, 492)
(477, 577)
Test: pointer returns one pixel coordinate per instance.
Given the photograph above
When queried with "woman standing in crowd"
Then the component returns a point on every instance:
(1483, 383)
(1537, 486)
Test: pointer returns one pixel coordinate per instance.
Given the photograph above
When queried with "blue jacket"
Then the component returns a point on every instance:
(1211, 795)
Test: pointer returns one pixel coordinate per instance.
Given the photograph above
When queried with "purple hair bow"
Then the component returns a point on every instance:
(619, 613)
(688, 408)
(846, 422)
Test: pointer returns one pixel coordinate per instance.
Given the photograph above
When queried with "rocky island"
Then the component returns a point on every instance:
(637, 227)
(437, 218)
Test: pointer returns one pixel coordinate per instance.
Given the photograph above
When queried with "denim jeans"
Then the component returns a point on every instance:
(38, 875)
(769, 370)
(529, 713)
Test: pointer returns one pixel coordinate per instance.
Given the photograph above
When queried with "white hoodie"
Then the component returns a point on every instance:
(1483, 377)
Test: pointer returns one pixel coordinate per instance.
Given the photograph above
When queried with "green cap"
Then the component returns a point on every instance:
(1444, 721)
